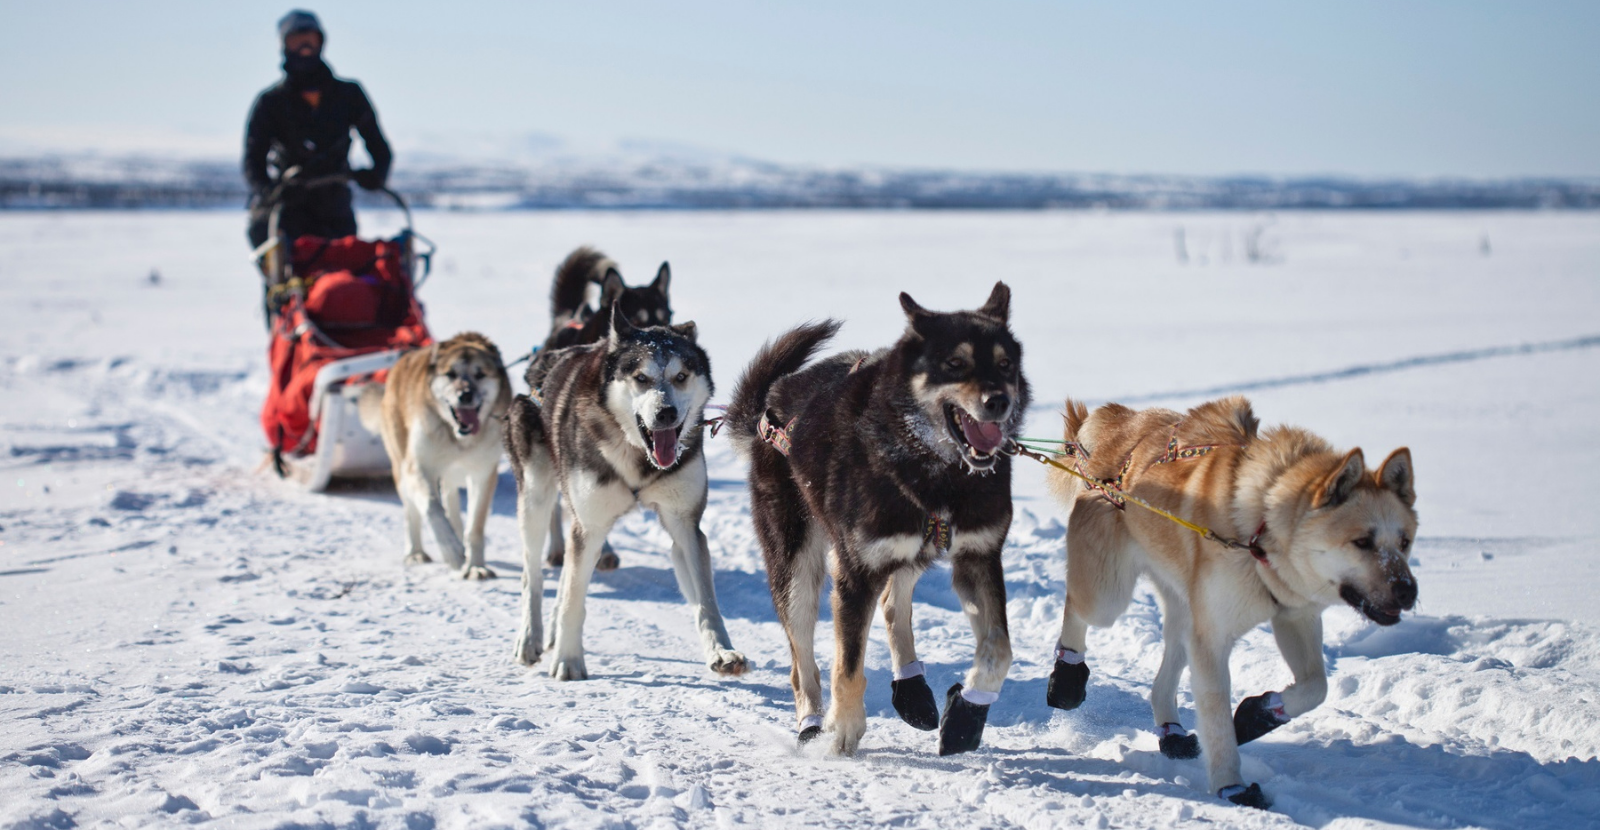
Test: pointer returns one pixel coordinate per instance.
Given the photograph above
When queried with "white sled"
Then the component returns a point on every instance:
(345, 449)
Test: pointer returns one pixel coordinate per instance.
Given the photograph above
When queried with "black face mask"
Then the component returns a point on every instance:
(306, 71)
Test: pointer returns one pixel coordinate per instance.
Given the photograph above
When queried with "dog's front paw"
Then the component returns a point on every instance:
(528, 650)
(554, 558)
(608, 561)
(417, 557)
(728, 663)
(913, 701)
(961, 729)
(569, 668)
(477, 573)
(1069, 685)
(1256, 716)
(1250, 796)
(847, 732)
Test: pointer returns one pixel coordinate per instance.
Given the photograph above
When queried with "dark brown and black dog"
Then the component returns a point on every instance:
(891, 460)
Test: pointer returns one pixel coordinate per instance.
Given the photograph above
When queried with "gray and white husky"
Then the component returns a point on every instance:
(619, 424)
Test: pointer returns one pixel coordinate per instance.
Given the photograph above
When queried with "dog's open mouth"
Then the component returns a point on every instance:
(1379, 615)
(980, 441)
(466, 419)
(663, 444)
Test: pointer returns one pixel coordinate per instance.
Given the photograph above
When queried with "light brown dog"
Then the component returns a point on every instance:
(1323, 529)
(442, 417)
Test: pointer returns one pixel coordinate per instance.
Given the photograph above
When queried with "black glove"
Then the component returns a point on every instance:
(369, 179)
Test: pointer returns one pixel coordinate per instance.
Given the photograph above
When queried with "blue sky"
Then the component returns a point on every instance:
(1359, 88)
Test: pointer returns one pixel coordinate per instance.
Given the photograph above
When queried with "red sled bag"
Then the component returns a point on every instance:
(359, 300)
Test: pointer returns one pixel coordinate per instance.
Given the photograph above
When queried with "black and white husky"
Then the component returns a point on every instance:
(573, 322)
(620, 424)
(868, 467)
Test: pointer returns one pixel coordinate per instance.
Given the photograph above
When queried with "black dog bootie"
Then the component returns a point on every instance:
(961, 729)
(913, 700)
(1069, 685)
(1256, 716)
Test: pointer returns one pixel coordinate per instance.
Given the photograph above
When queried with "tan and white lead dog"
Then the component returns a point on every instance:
(1323, 529)
(442, 417)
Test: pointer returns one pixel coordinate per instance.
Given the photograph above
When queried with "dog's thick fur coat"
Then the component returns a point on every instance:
(441, 414)
(620, 424)
(1329, 529)
(893, 457)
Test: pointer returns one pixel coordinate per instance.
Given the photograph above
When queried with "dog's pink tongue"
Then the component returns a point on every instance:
(664, 445)
(467, 420)
(984, 437)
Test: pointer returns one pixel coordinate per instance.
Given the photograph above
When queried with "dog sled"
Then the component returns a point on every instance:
(340, 313)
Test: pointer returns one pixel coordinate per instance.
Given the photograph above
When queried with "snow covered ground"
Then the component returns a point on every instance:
(189, 641)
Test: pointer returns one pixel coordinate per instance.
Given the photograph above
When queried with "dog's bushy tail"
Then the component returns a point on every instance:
(1062, 484)
(783, 356)
(581, 267)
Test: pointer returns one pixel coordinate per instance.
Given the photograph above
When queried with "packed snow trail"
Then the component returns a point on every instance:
(190, 641)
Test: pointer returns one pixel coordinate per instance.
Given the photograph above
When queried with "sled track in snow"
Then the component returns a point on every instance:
(1363, 370)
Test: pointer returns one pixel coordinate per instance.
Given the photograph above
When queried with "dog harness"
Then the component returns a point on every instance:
(937, 531)
(775, 435)
(1173, 453)
(1113, 492)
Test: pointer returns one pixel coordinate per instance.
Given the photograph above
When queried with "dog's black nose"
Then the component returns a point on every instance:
(996, 404)
(1405, 592)
(667, 416)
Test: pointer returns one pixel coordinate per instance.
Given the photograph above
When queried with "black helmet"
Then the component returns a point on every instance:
(299, 20)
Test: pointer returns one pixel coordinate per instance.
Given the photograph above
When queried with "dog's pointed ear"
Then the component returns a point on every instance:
(433, 356)
(914, 312)
(687, 329)
(999, 304)
(620, 327)
(663, 281)
(1397, 475)
(611, 287)
(1337, 487)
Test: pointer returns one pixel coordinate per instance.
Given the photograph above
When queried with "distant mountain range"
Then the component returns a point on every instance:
(648, 177)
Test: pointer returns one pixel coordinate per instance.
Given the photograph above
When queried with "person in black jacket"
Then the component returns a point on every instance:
(304, 122)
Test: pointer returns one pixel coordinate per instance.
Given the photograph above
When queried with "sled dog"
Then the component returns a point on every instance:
(619, 424)
(574, 323)
(440, 415)
(1322, 528)
(868, 467)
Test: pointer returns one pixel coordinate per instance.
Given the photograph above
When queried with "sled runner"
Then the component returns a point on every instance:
(340, 312)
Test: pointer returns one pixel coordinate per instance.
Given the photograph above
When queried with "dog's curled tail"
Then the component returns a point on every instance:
(369, 407)
(570, 289)
(1063, 484)
(783, 356)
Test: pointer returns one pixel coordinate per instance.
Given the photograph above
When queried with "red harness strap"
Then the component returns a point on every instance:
(775, 435)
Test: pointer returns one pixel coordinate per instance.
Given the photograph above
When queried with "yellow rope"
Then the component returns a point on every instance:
(1205, 532)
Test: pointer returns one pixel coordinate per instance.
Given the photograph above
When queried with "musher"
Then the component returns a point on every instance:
(304, 122)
